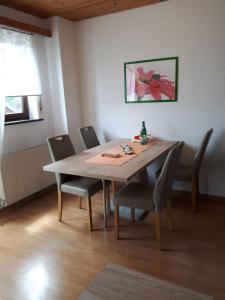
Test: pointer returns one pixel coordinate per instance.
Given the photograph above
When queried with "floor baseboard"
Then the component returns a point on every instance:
(202, 196)
(28, 199)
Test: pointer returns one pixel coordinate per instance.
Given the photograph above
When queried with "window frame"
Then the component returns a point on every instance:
(24, 115)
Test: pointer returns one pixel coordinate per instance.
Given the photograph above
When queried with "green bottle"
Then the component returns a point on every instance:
(143, 133)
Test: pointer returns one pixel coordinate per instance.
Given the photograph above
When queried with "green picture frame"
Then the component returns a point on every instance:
(151, 80)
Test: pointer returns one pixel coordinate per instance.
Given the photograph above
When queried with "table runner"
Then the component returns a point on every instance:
(137, 148)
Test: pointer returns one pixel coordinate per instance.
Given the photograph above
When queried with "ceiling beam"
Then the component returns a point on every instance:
(25, 26)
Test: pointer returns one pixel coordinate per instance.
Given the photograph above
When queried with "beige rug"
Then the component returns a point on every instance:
(117, 282)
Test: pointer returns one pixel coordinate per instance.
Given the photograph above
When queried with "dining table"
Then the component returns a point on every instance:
(85, 164)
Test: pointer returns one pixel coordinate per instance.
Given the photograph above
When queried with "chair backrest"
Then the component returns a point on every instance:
(164, 183)
(88, 137)
(199, 155)
(60, 147)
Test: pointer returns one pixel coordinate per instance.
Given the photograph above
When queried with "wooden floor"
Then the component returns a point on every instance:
(41, 258)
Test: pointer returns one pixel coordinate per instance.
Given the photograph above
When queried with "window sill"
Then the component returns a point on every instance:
(22, 121)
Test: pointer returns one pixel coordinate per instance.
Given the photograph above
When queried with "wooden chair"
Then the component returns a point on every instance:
(147, 198)
(61, 147)
(190, 173)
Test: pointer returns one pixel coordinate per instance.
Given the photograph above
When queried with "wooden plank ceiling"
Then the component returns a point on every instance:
(74, 9)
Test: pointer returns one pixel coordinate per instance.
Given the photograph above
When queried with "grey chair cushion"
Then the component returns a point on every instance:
(136, 195)
(88, 137)
(199, 155)
(82, 186)
(163, 186)
(183, 173)
(189, 173)
(60, 147)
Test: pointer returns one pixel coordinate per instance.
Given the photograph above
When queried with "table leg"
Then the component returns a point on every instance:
(104, 187)
(108, 201)
(113, 188)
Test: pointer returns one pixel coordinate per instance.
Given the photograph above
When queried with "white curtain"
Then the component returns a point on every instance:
(19, 69)
(2, 120)
(19, 74)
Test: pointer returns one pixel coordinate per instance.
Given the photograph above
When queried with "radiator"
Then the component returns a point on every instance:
(23, 175)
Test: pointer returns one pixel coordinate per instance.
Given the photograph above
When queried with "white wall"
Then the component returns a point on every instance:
(62, 63)
(70, 79)
(190, 29)
(56, 80)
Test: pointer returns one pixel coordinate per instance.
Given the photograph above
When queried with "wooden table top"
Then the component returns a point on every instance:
(77, 165)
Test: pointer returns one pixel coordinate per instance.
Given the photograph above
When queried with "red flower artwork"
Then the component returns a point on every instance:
(154, 84)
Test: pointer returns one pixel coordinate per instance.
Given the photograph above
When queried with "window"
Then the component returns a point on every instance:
(19, 75)
(22, 108)
(16, 108)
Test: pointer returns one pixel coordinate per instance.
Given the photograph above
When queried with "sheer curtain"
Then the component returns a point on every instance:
(19, 68)
(2, 120)
(19, 74)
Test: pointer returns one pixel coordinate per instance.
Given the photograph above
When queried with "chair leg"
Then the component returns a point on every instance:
(116, 221)
(132, 214)
(89, 213)
(169, 214)
(80, 202)
(158, 231)
(194, 195)
(59, 206)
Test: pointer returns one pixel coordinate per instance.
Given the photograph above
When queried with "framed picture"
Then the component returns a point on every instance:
(153, 80)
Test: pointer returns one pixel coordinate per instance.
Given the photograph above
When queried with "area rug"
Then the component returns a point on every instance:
(117, 282)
